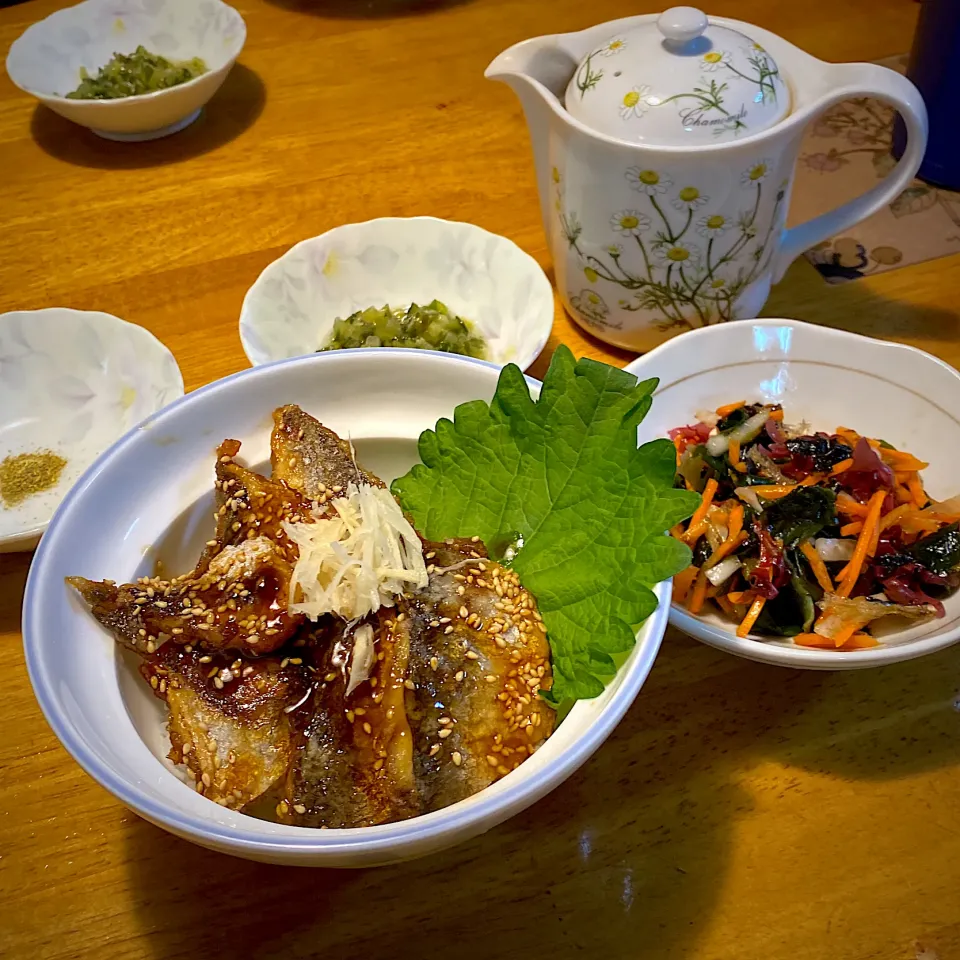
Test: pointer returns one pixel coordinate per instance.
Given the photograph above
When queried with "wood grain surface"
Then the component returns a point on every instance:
(739, 811)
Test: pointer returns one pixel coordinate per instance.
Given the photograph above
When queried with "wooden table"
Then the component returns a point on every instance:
(739, 811)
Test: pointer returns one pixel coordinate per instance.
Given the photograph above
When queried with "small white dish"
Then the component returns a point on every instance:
(827, 378)
(480, 276)
(72, 382)
(45, 60)
(154, 487)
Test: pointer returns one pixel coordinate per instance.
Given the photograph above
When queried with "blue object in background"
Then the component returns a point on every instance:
(933, 67)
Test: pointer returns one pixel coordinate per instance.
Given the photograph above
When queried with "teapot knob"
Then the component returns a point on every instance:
(682, 24)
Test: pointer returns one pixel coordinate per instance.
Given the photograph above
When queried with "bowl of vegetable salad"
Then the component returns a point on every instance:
(129, 70)
(828, 530)
(408, 282)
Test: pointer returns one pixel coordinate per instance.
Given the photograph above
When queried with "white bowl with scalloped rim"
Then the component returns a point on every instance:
(71, 382)
(482, 277)
(45, 60)
(827, 378)
(155, 487)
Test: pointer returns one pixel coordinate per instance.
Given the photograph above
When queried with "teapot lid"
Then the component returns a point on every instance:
(679, 81)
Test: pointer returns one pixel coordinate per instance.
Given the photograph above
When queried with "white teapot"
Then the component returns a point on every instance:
(665, 150)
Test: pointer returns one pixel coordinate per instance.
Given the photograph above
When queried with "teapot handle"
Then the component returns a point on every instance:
(863, 80)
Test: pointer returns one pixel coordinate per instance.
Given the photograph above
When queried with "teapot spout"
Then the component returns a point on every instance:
(537, 71)
(542, 61)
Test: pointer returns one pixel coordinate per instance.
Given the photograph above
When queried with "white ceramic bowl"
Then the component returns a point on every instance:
(828, 378)
(480, 276)
(72, 382)
(45, 60)
(153, 487)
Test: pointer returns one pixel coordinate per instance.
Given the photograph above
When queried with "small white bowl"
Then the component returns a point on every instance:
(154, 487)
(827, 378)
(45, 60)
(480, 276)
(72, 382)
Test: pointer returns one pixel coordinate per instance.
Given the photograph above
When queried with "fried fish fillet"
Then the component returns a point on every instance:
(478, 660)
(311, 459)
(236, 598)
(228, 718)
(353, 761)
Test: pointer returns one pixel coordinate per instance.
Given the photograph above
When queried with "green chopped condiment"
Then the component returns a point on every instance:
(130, 75)
(432, 327)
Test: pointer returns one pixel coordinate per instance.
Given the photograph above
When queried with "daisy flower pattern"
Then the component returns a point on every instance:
(648, 181)
(714, 60)
(613, 47)
(689, 198)
(592, 307)
(614, 250)
(629, 223)
(756, 173)
(634, 102)
(713, 226)
(677, 254)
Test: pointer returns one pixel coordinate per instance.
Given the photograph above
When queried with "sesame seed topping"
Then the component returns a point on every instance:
(299, 808)
(367, 728)
(457, 758)
(448, 630)
(445, 732)
(472, 655)
(464, 612)
(434, 750)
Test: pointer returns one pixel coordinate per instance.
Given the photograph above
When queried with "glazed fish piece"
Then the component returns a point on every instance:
(229, 722)
(236, 598)
(353, 760)
(238, 603)
(478, 660)
(312, 459)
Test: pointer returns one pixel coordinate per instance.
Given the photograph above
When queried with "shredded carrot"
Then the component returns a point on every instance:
(682, 583)
(698, 594)
(916, 490)
(728, 408)
(677, 531)
(811, 479)
(773, 491)
(695, 531)
(842, 467)
(860, 641)
(847, 505)
(746, 625)
(725, 548)
(701, 512)
(895, 515)
(776, 414)
(849, 435)
(740, 596)
(817, 565)
(901, 461)
(735, 461)
(844, 634)
(851, 529)
(864, 543)
(725, 605)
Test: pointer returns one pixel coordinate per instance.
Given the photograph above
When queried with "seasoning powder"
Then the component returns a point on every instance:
(28, 473)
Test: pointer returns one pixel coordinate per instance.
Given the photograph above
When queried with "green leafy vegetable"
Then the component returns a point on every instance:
(939, 552)
(564, 474)
(801, 514)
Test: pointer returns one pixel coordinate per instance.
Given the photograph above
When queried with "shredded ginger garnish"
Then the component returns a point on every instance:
(357, 561)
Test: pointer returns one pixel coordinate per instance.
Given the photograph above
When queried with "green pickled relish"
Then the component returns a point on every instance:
(130, 75)
(432, 327)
